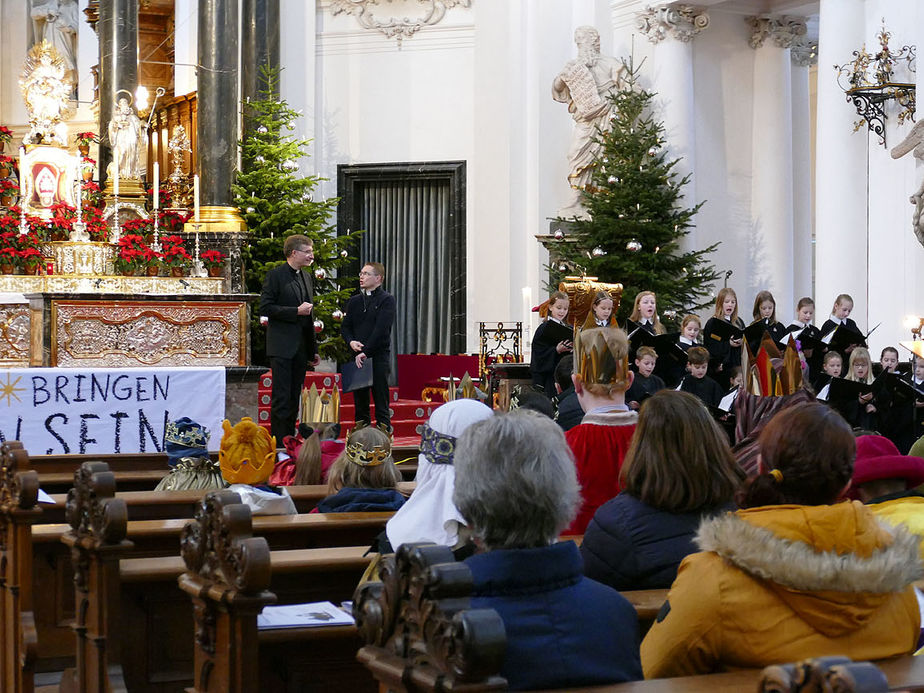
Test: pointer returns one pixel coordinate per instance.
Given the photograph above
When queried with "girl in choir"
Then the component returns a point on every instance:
(860, 413)
(794, 574)
(645, 312)
(364, 477)
(723, 353)
(805, 312)
(547, 354)
(831, 368)
(840, 315)
(896, 416)
(601, 312)
(888, 359)
(765, 308)
(689, 332)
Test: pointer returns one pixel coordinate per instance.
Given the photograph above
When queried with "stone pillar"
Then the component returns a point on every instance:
(771, 257)
(840, 169)
(259, 45)
(672, 29)
(803, 53)
(118, 64)
(217, 127)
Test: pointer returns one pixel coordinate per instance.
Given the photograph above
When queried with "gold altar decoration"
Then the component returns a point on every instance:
(46, 89)
(178, 183)
(15, 324)
(581, 291)
(47, 176)
(217, 218)
(147, 333)
(81, 257)
(109, 284)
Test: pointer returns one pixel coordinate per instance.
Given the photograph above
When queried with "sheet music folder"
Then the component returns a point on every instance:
(356, 378)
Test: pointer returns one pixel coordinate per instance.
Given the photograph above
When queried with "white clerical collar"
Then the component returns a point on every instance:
(645, 321)
(602, 323)
(686, 340)
(838, 320)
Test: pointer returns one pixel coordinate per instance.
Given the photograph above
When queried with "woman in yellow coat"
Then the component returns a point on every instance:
(791, 576)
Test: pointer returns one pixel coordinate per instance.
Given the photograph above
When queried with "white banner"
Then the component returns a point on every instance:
(57, 411)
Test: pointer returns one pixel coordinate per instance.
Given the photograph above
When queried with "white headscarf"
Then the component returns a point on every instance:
(429, 514)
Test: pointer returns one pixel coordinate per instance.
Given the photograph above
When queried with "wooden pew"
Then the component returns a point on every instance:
(18, 511)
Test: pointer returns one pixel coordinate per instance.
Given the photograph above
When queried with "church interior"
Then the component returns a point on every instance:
(465, 167)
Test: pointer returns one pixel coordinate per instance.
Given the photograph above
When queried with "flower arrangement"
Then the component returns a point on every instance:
(30, 253)
(212, 258)
(62, 221)
(85, 139)
(7, 165)
(9, 253)
(134, 255)
(139, 227)
(172, 221)
(6, 135)
(8, 189)
(173, 254)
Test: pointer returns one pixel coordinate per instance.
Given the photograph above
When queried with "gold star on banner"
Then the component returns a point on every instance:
(9, 389)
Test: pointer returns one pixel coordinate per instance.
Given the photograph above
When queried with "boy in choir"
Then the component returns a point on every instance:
(645, 384)
(697, 382)
(601, 378)
(547, 353)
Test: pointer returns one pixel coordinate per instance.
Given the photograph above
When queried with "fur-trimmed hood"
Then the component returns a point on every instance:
(833, 565)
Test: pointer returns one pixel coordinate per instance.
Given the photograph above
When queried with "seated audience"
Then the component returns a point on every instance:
(186, 444)
(601, 378)
(679, 469)
(364, 477)
(429, 514)
(247, 456)
(568, 412)
(885, 480)
(309, 455)
(795, 574)
(516, 488)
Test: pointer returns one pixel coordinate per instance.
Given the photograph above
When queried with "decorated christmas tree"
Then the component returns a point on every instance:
(637, 219)
(276, 202)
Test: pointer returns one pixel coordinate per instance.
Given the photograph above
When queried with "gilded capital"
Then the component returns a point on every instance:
(783, 31)
(681, 22)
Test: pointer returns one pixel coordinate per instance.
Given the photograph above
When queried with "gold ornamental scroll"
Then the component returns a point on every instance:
(581, 292)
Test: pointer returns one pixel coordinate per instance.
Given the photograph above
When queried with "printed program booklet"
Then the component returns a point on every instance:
(302, 615)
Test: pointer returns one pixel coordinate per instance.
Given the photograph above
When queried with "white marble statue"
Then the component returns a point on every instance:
(126, 139)
(914, 141)
(585, 84)
(55, 21)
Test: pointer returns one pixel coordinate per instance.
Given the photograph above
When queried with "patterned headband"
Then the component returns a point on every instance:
(438, 448)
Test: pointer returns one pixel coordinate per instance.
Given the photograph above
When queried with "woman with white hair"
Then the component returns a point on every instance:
(517, 489)
(429, 514)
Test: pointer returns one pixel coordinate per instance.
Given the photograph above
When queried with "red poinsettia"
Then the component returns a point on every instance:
(6, 135)
(212, 258)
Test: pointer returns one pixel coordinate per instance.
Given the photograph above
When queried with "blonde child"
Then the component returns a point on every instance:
(545, 353)
(645, 312)
(363, 478)
(840, 315)
(645, 384)
(723, 353)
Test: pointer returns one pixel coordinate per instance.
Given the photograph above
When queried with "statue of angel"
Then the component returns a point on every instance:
(914, 142)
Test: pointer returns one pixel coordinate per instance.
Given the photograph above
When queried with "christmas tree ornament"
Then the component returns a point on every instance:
(653, 151)
(559, 234)
(337, 315)
(563, 267)
(344, 254)
(319, 273)
(633, 246)
(318, 326)
(262, 130)
(670, 314)
(260, 159)
(598, 251)
(250, 210)
(611, 179)
(290, 165)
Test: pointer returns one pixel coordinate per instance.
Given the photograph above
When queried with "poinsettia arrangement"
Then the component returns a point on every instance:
(212, 258)
(134, 254)
(173, 253)
(6, 135)
(85, 139)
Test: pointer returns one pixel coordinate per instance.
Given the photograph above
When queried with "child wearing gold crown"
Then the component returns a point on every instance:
(600, 442)
(247, 456)
(364, 477)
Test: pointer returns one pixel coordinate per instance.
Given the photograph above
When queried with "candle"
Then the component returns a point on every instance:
(156, 185)
(196, 196)
(22, 174)
(79, 199)
(115, 170)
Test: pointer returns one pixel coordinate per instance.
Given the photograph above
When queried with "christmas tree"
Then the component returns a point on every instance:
(277, 202)
(637, 222)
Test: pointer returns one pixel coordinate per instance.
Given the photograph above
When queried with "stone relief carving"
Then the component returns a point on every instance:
(681, 22)
(804, 51)
(783, 31)
(396, 27)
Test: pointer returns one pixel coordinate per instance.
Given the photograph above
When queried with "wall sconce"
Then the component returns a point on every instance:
(915, 325)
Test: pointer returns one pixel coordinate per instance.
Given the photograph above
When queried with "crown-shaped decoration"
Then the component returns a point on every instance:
(360, 455)
(319, 406)
(247, 454)
(187, 433)
(772, 374)
(464, 390)
(595, 361)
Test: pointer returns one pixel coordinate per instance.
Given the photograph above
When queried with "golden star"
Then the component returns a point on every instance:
(9, 389)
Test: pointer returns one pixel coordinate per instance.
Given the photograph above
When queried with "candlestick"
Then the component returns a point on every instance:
(156, 246)
(115, 171)
(198, 268)
(196, 199)
(156, 187)
(22, 191)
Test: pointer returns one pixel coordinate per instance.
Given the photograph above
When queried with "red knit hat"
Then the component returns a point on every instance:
(878, 458)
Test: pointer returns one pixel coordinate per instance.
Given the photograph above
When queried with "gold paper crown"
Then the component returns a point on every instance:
(465, 390)
(358, 454)
(768, 380)
(319, 407)
(596, 357)
(247, 454)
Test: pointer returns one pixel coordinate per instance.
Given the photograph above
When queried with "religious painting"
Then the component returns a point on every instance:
(48, 176)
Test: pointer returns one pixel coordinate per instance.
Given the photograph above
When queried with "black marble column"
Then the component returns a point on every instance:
(218, 101)
(259, 45)
(118, 64)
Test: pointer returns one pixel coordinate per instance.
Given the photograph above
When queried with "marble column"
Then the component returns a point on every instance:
(804, 53)
(771, 233)
(217, 127)
(259, 45)
(118, 64)
(840, 169)
(672, 29)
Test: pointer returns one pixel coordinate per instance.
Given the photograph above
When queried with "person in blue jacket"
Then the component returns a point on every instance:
(678, 470)
(517, 489)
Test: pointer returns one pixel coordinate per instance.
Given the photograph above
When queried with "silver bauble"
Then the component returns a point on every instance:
(598, 252)
(318, 326)
(337, 315)
(344, 253)
(260, 159)
(612, 179)
(262, 130)
(563, 267)
(250, 210)
(559, 234)
(653, 151)
(670, 314)
(320, 273)
(633, 246)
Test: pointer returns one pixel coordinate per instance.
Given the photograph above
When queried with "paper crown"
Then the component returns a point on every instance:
(771, 374)
(601, 356)
(464, 390)
(187, 433)
(360, 455)
(247, 454)
(319, 406)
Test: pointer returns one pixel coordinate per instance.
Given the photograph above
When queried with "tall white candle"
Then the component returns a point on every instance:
(156, 185)
(79, 197)
(22, 176)
(196, 196)
(115, 171)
